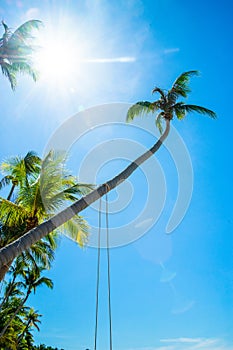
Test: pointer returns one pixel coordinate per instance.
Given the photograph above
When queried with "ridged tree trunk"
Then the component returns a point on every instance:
(15, 248)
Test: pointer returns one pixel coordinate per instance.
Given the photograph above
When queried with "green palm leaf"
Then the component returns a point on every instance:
(16, 50)
(77, 229)
(9, 73)
(24, 68)
(180, 112)
(24, 32)
(6, 180)
(160, 91)
(158, 122)
(139, 109)
(11, 213)
(180, 87)
(187, 108)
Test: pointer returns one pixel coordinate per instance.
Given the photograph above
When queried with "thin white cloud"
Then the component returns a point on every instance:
(124, 59)
(171, 50)
(181, 340)
(184, 343)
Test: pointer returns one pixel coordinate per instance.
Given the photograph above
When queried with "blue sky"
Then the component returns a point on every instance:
(170, 292)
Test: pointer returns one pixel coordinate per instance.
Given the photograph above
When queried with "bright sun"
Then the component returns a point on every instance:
(56, 59)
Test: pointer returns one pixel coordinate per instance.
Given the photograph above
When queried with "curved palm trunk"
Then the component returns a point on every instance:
(5, 268)
(15, 248)
(11, 192)
(5, 299)
(24, 331)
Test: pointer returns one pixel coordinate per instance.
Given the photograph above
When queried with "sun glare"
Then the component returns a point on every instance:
(56, 58)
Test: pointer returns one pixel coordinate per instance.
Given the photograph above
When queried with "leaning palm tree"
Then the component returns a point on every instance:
(16, 49)
(167, 107)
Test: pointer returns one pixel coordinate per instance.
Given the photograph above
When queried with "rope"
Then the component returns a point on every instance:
(98, 276)
(97, 279)
(109, 284)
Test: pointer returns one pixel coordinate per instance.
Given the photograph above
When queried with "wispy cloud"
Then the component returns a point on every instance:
(181, 340)
(196, 343)
(171, 50)
(124, 59)
(184, 343)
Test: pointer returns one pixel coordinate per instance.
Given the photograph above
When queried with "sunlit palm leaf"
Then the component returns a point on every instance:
(76, 229)
(16, 50)
(24, 68)
(24, 32)
(139, 109)
(11, 213)
(9, 73)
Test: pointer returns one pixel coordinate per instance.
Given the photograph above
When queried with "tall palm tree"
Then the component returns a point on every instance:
(17, 171)
(32, 319)
(31, 281)
(168, 107)
(16, 49)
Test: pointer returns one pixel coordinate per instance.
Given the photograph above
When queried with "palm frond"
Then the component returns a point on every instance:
(10, 74)
(11, 213)
(139, 109)
(24, 32)
(198, 109)
(6, 180)
(158, 122)
(160, 91)
(79, 189)
(41, 253)
(184, 78)
(181, 86)
(180, 112)
(43, 280)
(24, 68)
(76, 229)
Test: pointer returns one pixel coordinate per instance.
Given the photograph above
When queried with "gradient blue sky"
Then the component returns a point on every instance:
(169, 292)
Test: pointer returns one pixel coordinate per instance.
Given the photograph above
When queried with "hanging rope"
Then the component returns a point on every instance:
(109, 284)
(98, 276)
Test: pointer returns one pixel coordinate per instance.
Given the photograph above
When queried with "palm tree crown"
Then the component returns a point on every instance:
(167, 103)
(43, 186)
(16, 49)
